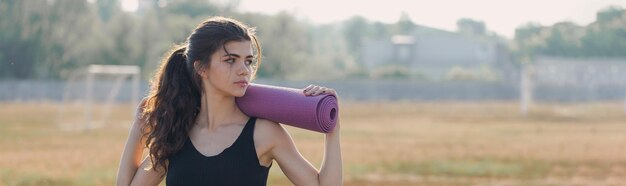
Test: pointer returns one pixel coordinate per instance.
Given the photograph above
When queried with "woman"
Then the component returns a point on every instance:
(196, 134)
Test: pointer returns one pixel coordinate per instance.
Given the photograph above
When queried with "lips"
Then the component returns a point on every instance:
(242, 83)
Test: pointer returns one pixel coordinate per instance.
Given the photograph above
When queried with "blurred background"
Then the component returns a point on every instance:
(443, 92)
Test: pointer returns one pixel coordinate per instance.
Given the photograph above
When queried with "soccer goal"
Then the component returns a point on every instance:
(96, 85)
(572, 80)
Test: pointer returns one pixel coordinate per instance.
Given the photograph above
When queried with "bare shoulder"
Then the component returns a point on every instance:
(270, 131)
(139, 112)
(141, 107)
(268, 127)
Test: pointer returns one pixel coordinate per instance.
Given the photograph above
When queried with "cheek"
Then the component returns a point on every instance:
(220, 74)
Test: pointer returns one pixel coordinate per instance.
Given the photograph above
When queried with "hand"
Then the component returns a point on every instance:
(314, 90)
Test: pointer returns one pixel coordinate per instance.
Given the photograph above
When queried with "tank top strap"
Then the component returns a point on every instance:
(245, 143)
(248, 130)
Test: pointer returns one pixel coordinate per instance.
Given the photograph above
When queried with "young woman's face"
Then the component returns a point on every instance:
(230, 70)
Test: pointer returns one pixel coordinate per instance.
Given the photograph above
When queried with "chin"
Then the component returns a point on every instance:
(239, 93)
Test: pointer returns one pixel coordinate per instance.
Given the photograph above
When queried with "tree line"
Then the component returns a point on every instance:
(48, 39)
(603, 38)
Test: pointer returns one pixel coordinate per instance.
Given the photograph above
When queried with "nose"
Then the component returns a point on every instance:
(244, 69)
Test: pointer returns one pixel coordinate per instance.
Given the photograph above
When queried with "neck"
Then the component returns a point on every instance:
(217, 110)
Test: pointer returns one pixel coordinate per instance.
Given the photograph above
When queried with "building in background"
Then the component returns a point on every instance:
(437, 54)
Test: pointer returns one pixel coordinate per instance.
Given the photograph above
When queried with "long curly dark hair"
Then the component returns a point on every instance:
(173, 103)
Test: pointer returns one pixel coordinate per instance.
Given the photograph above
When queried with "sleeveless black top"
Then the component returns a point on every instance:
(236, 165)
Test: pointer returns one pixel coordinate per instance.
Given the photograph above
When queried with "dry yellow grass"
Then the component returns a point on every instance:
(442, 143)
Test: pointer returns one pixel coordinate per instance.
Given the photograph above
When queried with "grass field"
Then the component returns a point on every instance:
(415, 143)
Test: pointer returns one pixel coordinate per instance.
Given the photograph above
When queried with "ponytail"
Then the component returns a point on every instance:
(171, 108)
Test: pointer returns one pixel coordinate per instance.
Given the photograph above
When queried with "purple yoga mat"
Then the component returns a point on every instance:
(290, 106)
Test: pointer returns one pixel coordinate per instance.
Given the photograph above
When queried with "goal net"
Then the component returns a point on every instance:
(92, 93)
(572, 80)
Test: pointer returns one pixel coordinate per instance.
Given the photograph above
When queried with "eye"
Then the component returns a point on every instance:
(230, 60)
(249, 62)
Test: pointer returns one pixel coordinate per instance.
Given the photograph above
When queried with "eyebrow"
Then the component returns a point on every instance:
(236, 55)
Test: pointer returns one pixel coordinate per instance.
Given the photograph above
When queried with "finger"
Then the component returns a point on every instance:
(308, 87)
(329, 91)
(319, 91)
(313, 90)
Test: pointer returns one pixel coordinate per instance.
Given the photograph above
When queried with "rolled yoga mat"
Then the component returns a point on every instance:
(290, 106)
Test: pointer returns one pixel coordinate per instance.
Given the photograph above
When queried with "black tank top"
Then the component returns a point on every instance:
(236, 165)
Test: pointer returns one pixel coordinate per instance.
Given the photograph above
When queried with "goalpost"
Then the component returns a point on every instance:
(586, 73)
(87, 77)
(526, 89)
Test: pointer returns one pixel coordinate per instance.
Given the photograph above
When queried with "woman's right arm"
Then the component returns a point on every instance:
(132, 170)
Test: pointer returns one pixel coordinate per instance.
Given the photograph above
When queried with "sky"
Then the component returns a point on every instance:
(500, 16)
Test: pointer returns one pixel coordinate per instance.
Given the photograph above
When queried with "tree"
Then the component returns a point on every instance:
(609, 14)
(285, 44)
(606, 37)
(39, 38)
(191, 8)
(527, 41)
(355, 31)
(471, 27)
(107, 8)
(405, 25)
(564, 40)
(20, 44)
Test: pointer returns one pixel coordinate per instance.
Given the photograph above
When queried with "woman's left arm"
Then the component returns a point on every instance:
(292, 163)
(331, 172)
